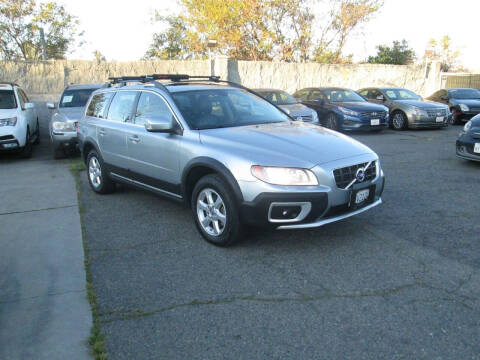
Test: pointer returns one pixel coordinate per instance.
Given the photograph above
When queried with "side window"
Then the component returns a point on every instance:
(98, 104)
(364, 93)
(302, 95)
(373, 94)
(121, 106)
(20, 98)
(151, 106)
(25, 97)
(315, 95)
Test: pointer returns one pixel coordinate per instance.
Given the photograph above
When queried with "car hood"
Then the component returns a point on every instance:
(468, 102)
(7, 113)
(297, 109)
(361, 106)
(294, 144)
(74, 113)
(422, 104)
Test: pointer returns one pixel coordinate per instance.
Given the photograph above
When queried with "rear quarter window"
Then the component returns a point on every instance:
(98, 104)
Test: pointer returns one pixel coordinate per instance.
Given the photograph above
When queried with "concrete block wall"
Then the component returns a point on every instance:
(45, 81)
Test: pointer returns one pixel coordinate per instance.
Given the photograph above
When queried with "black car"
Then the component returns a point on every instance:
(468, 142)
(344, 109)
(464, 103)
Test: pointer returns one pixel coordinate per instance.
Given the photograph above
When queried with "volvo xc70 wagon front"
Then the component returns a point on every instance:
(232, 156)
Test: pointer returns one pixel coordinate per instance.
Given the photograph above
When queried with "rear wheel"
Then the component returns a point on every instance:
(97, 174)
(215, 211)
(399, 121)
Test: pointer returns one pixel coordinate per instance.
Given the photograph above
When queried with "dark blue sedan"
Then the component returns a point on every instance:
(344, 109)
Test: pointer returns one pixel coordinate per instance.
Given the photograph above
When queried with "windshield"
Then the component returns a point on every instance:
(7, 99)
(464, 94)
(342, 96)
(278, 97)
(401, 94)
(75, 98)
(217, 108)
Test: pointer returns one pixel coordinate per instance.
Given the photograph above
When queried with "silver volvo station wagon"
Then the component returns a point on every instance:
(233, 157)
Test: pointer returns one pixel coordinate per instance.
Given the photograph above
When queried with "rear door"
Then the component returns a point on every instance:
(29, 114)
(154, 156)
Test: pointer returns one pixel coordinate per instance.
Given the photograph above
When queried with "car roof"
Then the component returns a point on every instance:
(460, 89)
(267, 89)
(83, 86)
(172, 87)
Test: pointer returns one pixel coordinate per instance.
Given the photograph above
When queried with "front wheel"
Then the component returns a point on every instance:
(454, 120)
(332, 121)
(37, 134)
(215, 211)
(97, 174)
(27, 150)
(399, 121)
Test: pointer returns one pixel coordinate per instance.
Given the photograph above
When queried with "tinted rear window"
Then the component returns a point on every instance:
(7, 99)
(75, 98)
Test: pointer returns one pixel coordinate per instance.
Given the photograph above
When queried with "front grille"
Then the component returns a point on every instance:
(373, 114)
(344, 176)
(6, 137)
(437, 112)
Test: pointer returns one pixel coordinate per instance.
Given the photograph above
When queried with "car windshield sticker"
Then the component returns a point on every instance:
(67, 99)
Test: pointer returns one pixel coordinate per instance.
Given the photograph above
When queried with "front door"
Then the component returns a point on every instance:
(154, 156)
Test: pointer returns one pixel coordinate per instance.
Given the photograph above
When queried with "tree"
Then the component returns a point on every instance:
(443, 51)
(398, 54)
(284, 30)
(20, 24)
(344, 17)
(99, 57)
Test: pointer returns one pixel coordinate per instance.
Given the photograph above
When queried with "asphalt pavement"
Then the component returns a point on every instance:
(401, 281)
(44, 312)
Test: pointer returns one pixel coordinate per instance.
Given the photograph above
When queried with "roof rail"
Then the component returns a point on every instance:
(9, 83)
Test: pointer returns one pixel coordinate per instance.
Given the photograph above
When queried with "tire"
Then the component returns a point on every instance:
(454, 120)
(97, 174)
(218, 219)
(27, 149)
(399, 121)
(331, 122)
(37, 139)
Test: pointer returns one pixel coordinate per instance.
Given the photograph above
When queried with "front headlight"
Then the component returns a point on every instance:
(467, 126)
(8, 122)
(63, 126)
(463, 107)
(314, 116)
(348, 111)
(284, 176)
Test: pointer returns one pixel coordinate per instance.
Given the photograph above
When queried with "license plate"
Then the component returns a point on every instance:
(439, 119)
(476, 148)
(375, 122)
(361, 196)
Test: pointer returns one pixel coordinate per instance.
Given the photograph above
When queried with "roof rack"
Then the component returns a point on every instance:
(176, 79)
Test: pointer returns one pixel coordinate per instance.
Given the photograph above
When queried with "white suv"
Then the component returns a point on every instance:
(18, 120)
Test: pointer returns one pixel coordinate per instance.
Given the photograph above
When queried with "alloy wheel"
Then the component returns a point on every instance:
(95, 172)
(211, 212)
(398, 121)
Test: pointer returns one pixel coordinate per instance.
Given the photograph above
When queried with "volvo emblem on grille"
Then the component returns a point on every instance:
(360, 175)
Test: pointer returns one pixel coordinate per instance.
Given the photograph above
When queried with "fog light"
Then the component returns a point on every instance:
(9, 146)
(285, 212)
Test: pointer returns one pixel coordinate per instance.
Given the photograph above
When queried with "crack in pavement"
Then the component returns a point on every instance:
(140, 313)
(35, 210)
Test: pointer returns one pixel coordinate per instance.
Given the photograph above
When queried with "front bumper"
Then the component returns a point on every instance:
(421, 121)
(64, 140)
(306, 209)
(465, 146)
(351, 123)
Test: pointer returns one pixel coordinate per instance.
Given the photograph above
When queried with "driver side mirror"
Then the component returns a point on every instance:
(50, 105)
(29, 106)
(444, 98)
(320, 100)
(381, 98)
(162, 124)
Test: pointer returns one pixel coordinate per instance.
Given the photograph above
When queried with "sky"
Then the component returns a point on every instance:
(122, 30)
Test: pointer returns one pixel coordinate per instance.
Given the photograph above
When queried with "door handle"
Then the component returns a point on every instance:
(101, 132)
(134, 138)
